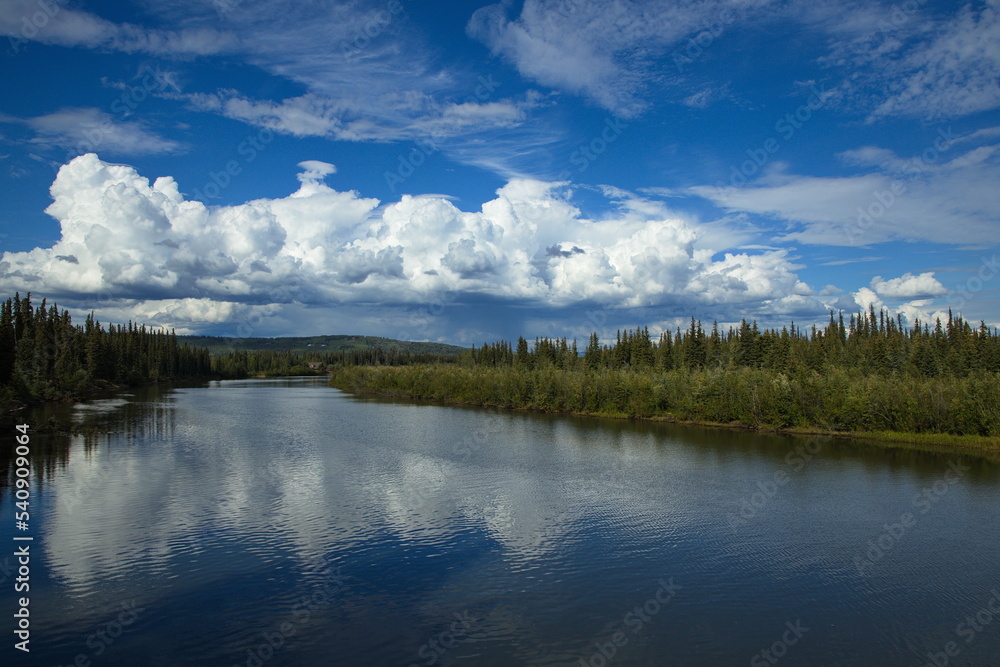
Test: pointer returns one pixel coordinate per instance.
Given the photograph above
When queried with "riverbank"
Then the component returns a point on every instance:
(11, 406)
(937, 412)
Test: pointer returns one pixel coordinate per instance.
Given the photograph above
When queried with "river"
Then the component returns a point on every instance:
(283, 522)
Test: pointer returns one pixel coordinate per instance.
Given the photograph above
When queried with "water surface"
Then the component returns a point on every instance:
(283, 522)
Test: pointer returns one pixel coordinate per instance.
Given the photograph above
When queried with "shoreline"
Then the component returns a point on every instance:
(14, 406)
(887, 439)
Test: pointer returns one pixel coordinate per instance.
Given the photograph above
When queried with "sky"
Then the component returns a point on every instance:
(468, 171)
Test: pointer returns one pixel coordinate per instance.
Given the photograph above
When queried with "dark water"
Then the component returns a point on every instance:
(285, 523)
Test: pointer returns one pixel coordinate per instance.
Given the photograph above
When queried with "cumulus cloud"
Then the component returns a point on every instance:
(864, 298)
(188, 316)
(909, 286)
(179, 262)
(913, 310)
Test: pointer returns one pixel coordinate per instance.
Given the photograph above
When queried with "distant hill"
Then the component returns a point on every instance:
(314, 344)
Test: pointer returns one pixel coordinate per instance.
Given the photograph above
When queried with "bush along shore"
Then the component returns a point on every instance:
(869, 376)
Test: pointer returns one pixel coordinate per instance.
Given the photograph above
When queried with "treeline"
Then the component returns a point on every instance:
(869, 373)
(871, 343)
(838, 400)
(270, 363)
(378, 356)
(43, 355)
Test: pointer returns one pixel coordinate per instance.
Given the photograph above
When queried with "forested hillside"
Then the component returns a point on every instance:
(269, 363)
(310, 346)
(242, 357)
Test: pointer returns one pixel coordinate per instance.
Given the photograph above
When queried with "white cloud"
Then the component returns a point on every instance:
(315, 171)
(604, 51)
(180, 263)
(955, 72)
(705, 98)
(866, 298)
(84, 130)
(389, 117)
(368, 74)
(307, 115)
(985, 133)
(911, 311)
(903, 59)
(909, 286)
(58, 24)
(194, 313)
(910, 59)
(947, 199)
(851, 260)
(617, 53)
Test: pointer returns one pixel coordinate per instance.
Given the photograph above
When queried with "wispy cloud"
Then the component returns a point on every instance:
(955, 71)
(854, 260)
(86, 129)
(393, 117)
(912, 59)
(370, 75)
(705, 98)
(941, 201)
(63, 25)
(892, 60)
(603, 51)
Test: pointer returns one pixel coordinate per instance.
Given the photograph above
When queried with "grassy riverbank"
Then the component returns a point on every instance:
(935, 411)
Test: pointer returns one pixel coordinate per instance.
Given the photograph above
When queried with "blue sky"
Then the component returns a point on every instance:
(463, 171)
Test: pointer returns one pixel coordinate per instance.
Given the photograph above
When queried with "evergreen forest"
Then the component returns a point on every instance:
(869, 373)
(44, 356)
